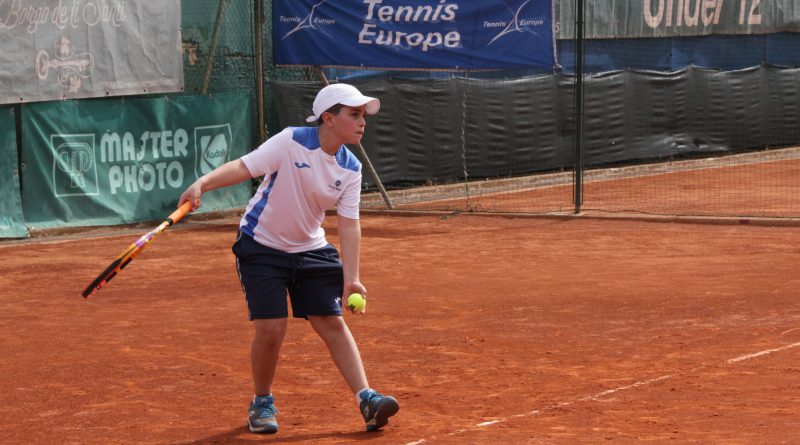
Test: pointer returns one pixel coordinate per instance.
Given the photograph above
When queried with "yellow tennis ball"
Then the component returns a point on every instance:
(356, 302)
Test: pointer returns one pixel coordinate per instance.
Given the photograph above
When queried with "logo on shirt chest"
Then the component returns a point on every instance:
(301, 165)
(336, 185)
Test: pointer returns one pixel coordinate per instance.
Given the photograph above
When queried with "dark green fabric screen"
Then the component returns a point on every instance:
(11, 222)
(115, 161)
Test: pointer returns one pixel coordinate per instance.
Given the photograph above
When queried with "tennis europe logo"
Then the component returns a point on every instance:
(212, 147)
(74, 167)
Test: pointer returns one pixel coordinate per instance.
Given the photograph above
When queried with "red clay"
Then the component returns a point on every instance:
(557, 331)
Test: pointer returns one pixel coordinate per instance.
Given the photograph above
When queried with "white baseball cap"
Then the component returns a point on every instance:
(341, 93)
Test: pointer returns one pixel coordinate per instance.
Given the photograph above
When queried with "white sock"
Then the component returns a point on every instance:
(257, 396)
(358, 395)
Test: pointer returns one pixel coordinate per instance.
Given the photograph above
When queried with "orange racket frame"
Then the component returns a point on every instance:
(130, 253)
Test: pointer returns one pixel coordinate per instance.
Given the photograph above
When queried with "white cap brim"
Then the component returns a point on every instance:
(373, 106)
(346, 95)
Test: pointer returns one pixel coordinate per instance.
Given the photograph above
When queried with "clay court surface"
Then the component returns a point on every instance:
(489, 330)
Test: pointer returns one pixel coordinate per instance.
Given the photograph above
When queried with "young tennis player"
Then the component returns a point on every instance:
(281, 247)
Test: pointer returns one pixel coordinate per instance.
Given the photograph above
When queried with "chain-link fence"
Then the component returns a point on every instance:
(218, 45)
(674, 122)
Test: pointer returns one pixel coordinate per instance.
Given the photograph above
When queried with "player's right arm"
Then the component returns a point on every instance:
(265, 159)
(227, 174)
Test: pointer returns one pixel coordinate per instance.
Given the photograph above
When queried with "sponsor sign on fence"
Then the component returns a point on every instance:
(70, 49)
(111, 162)
(445, 34)
(675, 18)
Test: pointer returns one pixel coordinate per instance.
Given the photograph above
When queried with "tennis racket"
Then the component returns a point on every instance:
(128, 254)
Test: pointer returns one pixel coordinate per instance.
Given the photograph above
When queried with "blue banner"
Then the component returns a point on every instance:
(416, 34)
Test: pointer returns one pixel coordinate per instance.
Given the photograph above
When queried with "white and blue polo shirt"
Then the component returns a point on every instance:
(301, 182)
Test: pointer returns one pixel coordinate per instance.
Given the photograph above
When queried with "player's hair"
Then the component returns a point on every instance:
(334, 110)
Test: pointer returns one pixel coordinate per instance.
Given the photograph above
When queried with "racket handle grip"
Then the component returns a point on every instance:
(179, 213)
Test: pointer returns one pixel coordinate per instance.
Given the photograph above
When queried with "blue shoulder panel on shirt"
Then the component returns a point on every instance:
(308, 137)
(347, 160)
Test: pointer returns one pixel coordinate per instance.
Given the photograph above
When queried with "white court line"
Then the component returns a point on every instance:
(594, 397)
(759, 354)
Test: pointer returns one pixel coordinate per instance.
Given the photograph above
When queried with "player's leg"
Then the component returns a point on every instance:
(343, 349)
(376, 408)
(264, 274)
(317, 297)
(267, 339)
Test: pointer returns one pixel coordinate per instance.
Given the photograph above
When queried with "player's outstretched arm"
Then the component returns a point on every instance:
(227, 174)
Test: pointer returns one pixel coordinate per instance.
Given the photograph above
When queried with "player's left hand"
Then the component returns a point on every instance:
(353, 288)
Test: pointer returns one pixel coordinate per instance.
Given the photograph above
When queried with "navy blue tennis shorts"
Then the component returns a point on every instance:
(313, 280)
